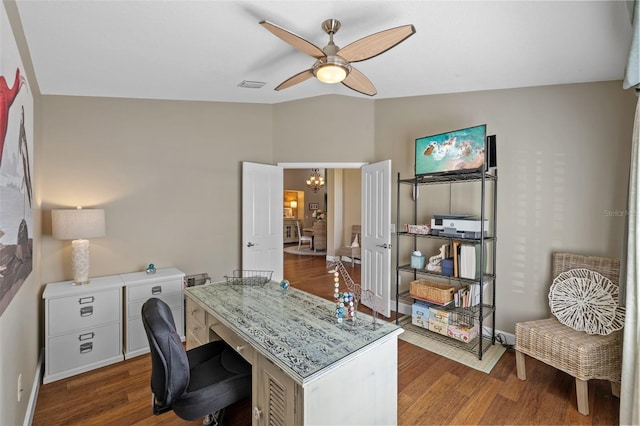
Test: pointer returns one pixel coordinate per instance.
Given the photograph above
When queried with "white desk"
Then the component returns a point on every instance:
(307, 368)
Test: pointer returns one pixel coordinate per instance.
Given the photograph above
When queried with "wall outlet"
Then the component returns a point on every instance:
(20, 389)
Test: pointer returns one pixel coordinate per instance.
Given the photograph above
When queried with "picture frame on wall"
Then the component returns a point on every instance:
(16, 170)
(314, 206)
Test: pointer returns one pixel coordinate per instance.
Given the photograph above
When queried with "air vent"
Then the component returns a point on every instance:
(251, 84)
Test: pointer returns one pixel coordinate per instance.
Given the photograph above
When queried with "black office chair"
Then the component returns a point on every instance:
(197, 383)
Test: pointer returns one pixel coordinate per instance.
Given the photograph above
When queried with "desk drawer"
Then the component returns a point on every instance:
(174, 300)
(195, 312)
(83, 348)
(83, 311)
(232, 339)
(154, 289)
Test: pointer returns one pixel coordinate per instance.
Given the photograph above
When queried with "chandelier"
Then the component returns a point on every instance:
(315, 181)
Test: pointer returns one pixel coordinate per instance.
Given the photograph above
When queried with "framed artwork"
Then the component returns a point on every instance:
(16, 165)
(314, 206)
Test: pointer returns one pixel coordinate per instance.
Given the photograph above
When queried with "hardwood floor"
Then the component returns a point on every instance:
(431, 389)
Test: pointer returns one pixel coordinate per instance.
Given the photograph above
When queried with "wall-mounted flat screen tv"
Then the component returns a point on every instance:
(457, 151)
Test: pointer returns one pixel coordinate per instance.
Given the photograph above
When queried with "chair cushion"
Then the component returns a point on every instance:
(215, 383)
(586, 301)
(582, 355)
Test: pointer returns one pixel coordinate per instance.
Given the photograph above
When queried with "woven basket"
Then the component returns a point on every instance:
(431, 291)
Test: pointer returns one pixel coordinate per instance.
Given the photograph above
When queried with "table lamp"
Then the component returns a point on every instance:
(78, 225)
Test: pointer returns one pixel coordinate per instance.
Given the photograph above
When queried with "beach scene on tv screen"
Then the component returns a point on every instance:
(459, 150)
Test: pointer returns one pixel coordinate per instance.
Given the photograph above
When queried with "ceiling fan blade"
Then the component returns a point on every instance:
(298, 78)
(294, 40)
(375, 44)
(359, 82)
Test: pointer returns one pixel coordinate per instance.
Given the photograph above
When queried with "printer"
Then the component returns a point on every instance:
(458, 226)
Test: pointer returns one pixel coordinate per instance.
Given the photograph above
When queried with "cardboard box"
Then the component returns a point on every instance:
(420, 314)
(440, 315)
(417, 262)
(462, 331)
(437, 326)
(421, 322)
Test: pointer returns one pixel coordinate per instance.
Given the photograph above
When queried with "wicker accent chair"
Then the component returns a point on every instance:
(581, 355)
(352, 253)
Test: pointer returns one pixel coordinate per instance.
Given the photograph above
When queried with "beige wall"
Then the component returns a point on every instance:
(352, 200)
(328, 128)
(563, 160)
(167, 174)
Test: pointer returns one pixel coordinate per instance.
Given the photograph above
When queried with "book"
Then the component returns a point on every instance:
(469, 262)
(456, 258)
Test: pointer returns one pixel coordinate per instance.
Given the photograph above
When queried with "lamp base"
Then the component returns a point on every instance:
(80, 261)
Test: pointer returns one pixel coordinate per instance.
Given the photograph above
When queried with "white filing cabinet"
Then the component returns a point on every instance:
(165, 284)
(83, 326)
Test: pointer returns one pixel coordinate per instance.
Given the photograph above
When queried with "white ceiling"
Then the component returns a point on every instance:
(201, 50)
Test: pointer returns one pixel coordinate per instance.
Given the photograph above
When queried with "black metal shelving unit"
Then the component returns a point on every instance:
(485, 309)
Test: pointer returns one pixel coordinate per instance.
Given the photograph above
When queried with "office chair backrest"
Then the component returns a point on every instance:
(169, 363)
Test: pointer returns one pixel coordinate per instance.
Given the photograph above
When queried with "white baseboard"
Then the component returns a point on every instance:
(510, 339)
(35, 388)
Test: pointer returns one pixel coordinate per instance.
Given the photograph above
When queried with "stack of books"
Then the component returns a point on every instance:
(467, 297)
(466, 260)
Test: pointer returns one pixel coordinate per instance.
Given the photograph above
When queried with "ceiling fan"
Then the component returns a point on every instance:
(333, 64)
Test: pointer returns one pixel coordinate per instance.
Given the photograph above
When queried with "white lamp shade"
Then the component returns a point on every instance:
(294, 204)
(77, 224)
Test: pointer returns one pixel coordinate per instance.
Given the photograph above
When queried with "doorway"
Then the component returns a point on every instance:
(340, 198)
(263, 219)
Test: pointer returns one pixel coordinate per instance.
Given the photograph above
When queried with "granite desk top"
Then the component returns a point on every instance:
(295, 329)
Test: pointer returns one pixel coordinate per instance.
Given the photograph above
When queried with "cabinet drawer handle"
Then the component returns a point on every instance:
(86, 347)
(85, 300)
(239, 348)
(156, 290)
(86, 311)
(86, 336)
(257, 413)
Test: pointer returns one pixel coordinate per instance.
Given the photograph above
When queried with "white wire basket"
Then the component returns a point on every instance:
(249, 277)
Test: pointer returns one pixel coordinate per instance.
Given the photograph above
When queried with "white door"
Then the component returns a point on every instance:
(376, 236)
(262, 243)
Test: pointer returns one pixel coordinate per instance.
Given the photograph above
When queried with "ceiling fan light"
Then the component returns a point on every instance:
(331, 74)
